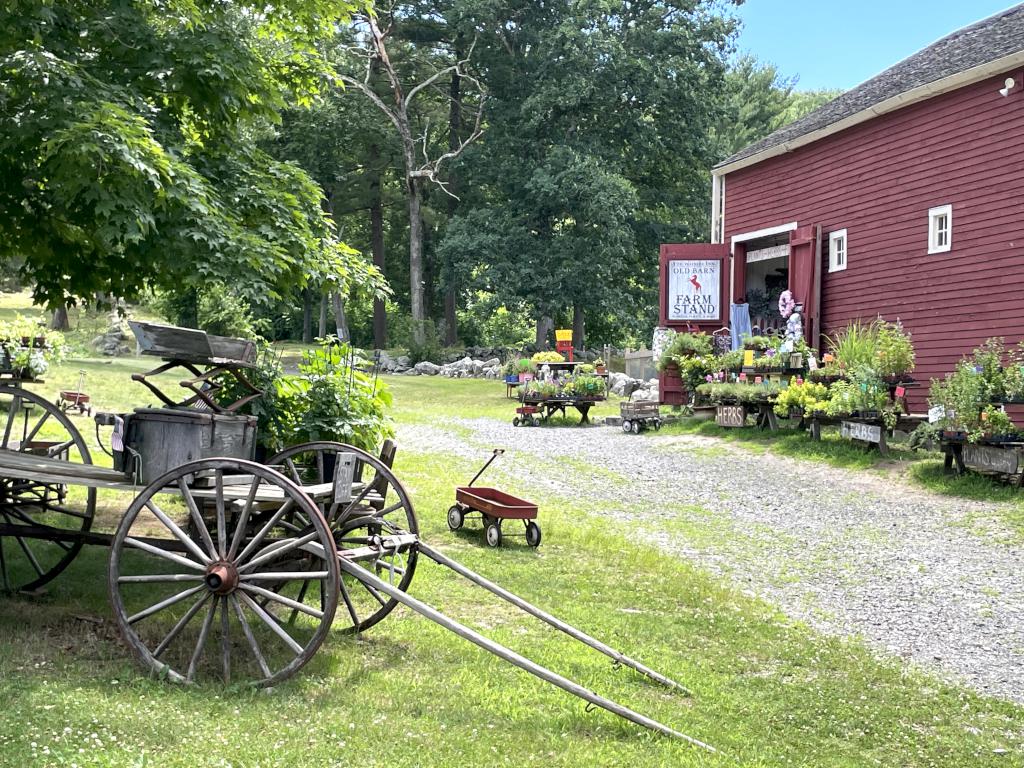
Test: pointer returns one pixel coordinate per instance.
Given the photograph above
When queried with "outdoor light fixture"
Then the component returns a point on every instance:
(1007, 86)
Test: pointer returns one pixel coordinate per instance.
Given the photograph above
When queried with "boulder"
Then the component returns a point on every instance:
(403, 361)
(490, 363)
(427, 368)
(410, 372)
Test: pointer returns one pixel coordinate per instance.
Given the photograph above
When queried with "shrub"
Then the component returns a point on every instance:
(683, 345)
(539, 358)
(330, 399)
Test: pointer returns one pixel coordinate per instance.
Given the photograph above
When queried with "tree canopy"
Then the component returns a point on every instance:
(128, 151)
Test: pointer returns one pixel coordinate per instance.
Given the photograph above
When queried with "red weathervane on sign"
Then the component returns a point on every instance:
(696, 285)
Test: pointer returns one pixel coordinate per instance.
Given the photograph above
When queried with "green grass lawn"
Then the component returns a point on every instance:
(767, 691)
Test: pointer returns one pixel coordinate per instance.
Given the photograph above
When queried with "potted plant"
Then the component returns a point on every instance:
(599, 366)
(525, 369)
(27, 353)
(995, 425)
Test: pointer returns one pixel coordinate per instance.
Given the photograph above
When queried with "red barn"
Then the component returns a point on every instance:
(903, 198)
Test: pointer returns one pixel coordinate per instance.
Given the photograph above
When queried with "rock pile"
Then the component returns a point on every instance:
(113, 341)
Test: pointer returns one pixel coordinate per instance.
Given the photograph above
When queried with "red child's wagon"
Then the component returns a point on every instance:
(493, 506)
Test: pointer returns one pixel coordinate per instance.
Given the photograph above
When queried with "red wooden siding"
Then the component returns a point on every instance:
(878, 180)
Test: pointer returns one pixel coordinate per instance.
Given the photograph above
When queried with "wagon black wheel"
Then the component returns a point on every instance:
(456, 517)
(626, 425)
(231, 601)
(33, 426)
(492, 533)
(532, 534)
(515, 421)
(379, 507)
(636, 427)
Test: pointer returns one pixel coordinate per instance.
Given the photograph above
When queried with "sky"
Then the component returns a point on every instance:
(840, 43)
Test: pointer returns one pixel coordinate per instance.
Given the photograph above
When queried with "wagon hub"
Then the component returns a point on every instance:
(221, 578)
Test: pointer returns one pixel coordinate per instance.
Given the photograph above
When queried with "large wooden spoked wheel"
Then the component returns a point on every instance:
(379, 507)
(233, 598)
(31, 425)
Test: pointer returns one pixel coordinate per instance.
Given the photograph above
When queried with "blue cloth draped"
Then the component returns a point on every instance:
(739, 323)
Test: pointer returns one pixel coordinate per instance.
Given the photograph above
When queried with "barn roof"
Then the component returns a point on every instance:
(984, 42)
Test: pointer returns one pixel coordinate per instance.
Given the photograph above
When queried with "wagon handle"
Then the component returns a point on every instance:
(496, 454)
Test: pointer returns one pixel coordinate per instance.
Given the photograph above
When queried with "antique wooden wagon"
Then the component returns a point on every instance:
(221, 567)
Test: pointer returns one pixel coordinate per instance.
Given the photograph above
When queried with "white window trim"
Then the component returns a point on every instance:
(762, 233)
(933, 215)
(832, 237)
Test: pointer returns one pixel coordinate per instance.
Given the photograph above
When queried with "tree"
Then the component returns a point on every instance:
(373, 55)
(128, 155)
(597, 148)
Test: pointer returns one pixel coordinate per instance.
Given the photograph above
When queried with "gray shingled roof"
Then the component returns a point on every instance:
(984, 41)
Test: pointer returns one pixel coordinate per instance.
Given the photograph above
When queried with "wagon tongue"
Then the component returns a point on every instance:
(371, 580)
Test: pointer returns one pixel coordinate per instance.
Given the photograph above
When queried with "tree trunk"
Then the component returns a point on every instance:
(60, 320)
(188, 308)
(544, 326)
(451, 320)
(307, 316)
(323, 315)
(340, 322)
(419, 331)
(579, 332)
(380, 318)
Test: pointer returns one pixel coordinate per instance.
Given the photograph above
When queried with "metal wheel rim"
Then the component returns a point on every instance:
(493, 535)
(626, 426)
(11, 513)
(224, 546)
(455, 518)
(351, 588)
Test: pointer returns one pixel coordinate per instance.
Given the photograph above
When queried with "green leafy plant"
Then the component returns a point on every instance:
(29, 348)
(524, 365)
(805, 397)
(330, 398)
(758, 343)
(993, 422)
(585, 368)
(684, 345)
(539, 358)
(923, 436)
(738, 393)
(894, 353)
(585, 386)
(730, 361)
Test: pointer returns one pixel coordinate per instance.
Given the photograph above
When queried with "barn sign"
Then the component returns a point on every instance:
(694, 289)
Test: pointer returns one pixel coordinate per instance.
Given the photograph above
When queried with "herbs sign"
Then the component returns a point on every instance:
(694, 289)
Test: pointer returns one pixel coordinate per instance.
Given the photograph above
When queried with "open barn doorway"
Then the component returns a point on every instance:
(766, 277)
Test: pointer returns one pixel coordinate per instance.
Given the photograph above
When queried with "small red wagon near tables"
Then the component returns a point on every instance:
(493, 506)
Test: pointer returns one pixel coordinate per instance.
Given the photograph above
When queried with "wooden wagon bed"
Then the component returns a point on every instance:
(46, 469)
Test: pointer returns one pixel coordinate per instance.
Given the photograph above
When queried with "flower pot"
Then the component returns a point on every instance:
(39, 342)
(512, 379)
(25, 341)
(600, 369)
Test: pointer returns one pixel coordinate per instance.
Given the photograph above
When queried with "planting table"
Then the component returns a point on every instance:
(1002, 459)
(549, 406)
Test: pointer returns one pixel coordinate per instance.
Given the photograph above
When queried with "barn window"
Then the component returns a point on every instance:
(940, 229)
(837, 251)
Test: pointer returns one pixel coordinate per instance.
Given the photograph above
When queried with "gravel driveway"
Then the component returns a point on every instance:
(849, 552)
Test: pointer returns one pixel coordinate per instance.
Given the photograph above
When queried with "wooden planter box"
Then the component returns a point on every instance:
(671, 388)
